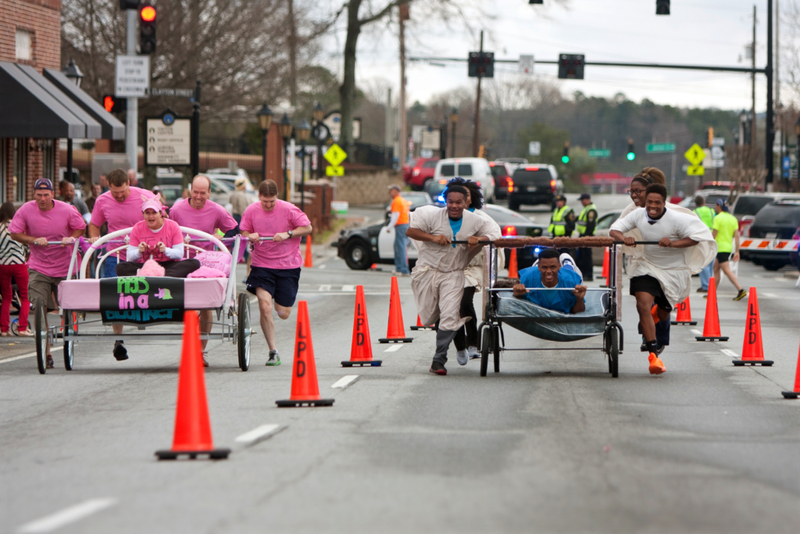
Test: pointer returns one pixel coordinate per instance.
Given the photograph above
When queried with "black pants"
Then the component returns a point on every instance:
(175, 269)
(467, 335)
(584, 263)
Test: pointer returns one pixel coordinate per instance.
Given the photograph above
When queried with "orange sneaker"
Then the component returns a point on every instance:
(656, 365)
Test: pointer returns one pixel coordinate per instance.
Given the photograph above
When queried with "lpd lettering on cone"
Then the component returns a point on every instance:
(753, 350)
(361, 348)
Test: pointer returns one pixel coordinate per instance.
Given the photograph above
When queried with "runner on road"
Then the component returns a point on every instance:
(725, 231)
(275, 273)
(706, 215)
(35, 223)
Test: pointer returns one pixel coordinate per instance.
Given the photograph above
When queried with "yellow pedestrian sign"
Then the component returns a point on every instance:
(335, 155)
(695, 155)
(696, 170)
(334, 170)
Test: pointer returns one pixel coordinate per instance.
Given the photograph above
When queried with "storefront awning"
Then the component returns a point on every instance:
(112, 128)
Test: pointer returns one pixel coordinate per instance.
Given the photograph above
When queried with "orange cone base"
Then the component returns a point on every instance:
(362, 363)
(684, 323)
(396, 340)
(213, 454)
(765, 363)
(298, 403)
(790, 394)
(721, 338)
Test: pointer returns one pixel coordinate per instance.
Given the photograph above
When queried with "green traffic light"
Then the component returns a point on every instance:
(564, 159)
(631, 156)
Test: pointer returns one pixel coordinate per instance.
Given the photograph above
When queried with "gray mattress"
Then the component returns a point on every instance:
(556, 326)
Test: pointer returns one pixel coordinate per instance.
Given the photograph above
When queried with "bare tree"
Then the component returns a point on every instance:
(745, 169)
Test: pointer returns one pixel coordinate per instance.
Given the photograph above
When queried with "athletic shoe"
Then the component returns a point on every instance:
(273, 359)
(463, 357)
(740, 295)
(438, 369)
(205, 360)
(656, 365)
(566, 259)
(50, 364)
(473, 353)
(120, 352)
(701, 290)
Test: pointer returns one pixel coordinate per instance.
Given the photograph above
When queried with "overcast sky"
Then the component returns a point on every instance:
(700, 32)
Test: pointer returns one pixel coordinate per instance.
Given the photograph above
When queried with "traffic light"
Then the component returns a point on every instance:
(128, 4)
(481, 65)
(570, 66)
(147, 29)
(565, 156)
(662, 7)
(710, 137)
(631, 152)
(114, 104)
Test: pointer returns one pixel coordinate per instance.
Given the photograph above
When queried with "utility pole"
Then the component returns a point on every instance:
(770, 105)
(403, 142)
(753, 124)
(388, 127)
(132, 115)
(476, 130)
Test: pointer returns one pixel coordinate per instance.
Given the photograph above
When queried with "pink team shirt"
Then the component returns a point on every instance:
(284, 216)
(54, 224)
(169, 234)
(207, 219)
(120, 215)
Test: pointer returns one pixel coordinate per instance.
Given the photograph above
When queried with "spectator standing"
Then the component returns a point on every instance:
(587, 221)
(96, 192)
(103, 184)
(725, 231)
(67, 190)
(399, 221)
(13, 258)
(706, 215)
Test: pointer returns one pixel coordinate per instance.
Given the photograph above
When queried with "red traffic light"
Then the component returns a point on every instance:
(108, 103)
(148, 13)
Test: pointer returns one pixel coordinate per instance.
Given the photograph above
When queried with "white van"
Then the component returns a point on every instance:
(475, 169)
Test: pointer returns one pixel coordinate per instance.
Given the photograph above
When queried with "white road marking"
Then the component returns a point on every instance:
(348, 288)
(322, 266)
(66, 516)
(770, 295)
(696, 332)
(394, 348)
(258, 434)
(344, 381)
(325, 288)
(28, 355)
(729, 352)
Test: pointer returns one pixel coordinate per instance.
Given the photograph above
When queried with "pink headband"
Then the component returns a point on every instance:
(152, 204)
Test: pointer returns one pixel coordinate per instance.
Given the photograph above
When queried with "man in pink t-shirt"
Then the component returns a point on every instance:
(275, 273)
(35, 223)
(200, 213)
(120, 207)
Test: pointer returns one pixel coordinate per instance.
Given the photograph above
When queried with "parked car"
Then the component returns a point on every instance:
(778, 220)
(230, 177)
(475, 169)
(171, 193)
(512, 163)
(362, 247)
(420, 172)
(415, 199)
(435, 188)
(502, 173)
(730, 186)
(710, 195)
(532, 184)
(601, 229)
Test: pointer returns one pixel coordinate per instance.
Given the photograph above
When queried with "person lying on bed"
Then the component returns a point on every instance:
(159, 239)
(553, 270)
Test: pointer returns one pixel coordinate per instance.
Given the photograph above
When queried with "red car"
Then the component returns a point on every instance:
(501, 171)
(419, 171)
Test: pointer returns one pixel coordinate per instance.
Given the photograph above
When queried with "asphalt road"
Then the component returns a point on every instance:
(550, 444)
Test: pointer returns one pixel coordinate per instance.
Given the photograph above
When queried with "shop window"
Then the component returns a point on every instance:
(18, 177)
(48, 159)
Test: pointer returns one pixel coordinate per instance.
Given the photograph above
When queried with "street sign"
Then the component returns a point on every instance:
(526, 66)
(132, 76)
(182, 93)
(334, 171)
(696, 170)
(717, 152)
(661, 147)
(168, 140)
(431, 138)
(717, 141)
(600, 153)
(714, 163)
(534, 148)
(334, 123)
(335, 155)
(695, 155)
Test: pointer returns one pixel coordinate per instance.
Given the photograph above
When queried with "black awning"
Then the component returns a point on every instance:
(27, 110)
(112, 128)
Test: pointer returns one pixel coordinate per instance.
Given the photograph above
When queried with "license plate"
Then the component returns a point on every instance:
(771, 235)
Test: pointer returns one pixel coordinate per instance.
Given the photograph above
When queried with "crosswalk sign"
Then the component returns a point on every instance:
(696, 170)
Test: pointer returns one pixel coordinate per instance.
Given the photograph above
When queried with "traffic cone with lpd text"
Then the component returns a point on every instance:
(361, 348)
(753, 349)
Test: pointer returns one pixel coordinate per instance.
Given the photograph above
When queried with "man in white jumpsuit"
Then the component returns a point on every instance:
(662, 273)
(438, 277)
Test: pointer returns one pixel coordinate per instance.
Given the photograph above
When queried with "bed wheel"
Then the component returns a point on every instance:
(486, 346)
(496, 348)
(39, 325)
(243, 331)
(69, 344)
(613, 352)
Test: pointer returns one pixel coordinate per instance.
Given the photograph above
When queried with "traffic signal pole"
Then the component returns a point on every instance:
(770, 132)
(476, 130)
(132, 114)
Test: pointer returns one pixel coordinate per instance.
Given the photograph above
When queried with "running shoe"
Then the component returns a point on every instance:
(205, 360)
(473, 353)
(463, 357)
(120, 352)
(438, 369)
(656, 365)
(701, 290)
(50, 364)
(740, 295)
(273, 359)
(566, 259)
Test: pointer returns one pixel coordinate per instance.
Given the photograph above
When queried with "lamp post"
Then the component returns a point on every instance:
(285, 127)
(453, 121)
(303, 131)
(797, 148)
(264, 117)
(318, 114)
(75, 75)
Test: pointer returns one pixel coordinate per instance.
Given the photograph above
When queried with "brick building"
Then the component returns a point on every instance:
(39, 104)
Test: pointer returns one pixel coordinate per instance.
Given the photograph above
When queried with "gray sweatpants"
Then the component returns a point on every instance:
(443, 340)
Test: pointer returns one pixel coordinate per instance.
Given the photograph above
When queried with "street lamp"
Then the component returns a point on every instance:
(264, 117)
(797, 147)
(285, 127)
(303, 131)
(453, 121)
(318, 114)
(74, 74)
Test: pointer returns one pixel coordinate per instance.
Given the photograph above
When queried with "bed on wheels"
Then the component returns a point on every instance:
(143, 302)
(601, 317)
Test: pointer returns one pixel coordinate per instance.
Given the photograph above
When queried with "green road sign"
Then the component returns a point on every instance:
(600, 153)
(661, 147)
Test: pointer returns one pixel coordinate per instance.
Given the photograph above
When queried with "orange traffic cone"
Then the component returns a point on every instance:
(684, 314)
(753, 350)
(605, 273)
(421, 326)
(192, 424)
(796, 393)
(309, 260)
(305, 388)
(361, 348)
(513, 271)
(711, 330)
(396, 333)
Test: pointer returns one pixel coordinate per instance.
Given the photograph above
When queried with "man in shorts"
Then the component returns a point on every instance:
(35, 223)
(725, 230)
(553, 270)
(275, 269)
(120, 207)
(662, 276)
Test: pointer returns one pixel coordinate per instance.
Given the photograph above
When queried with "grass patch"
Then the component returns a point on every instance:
(321, 238)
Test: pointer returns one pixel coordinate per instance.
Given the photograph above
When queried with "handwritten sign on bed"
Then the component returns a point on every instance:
(141, 300)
